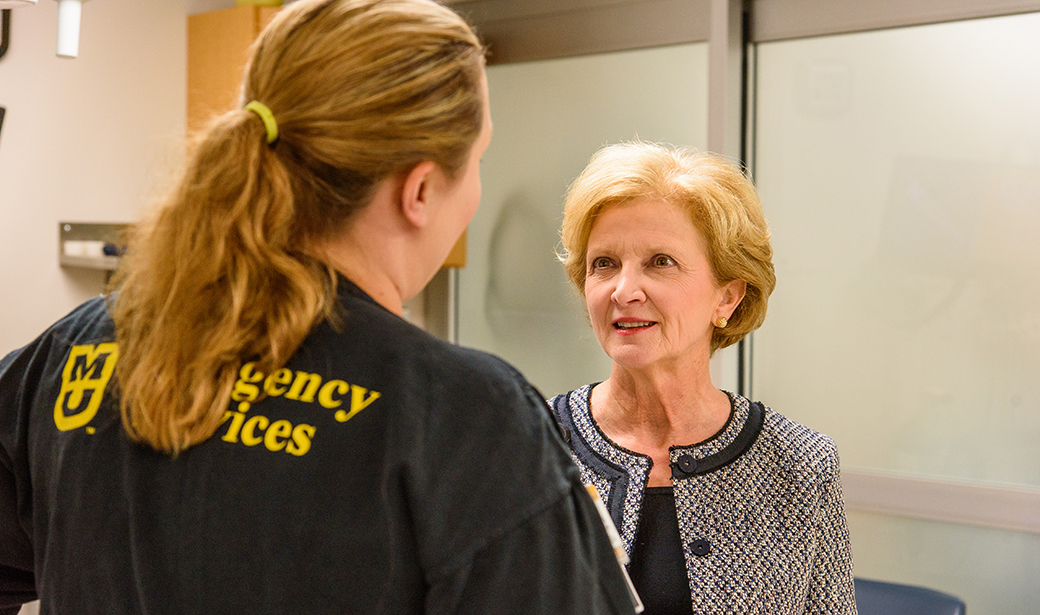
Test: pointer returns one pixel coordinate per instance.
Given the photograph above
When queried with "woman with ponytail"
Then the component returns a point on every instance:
(246, 424)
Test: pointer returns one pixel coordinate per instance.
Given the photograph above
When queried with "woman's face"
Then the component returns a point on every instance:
(651, 294)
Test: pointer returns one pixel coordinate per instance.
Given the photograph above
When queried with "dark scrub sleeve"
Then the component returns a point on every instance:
(16, 576)
(571, 572)
(17, 582)
(529, 539)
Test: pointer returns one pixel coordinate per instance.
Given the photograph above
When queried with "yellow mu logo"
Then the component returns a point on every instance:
(87, 372)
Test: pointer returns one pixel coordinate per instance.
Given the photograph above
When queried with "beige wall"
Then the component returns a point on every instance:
(83, 140)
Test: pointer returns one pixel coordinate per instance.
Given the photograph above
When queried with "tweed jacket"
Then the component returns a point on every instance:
(759, 504)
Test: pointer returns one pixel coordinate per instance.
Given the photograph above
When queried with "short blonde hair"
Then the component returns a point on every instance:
(719, 199)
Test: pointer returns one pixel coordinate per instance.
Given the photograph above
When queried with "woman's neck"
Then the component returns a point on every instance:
(649, 412)
(652, 410)
(377, 252)
(371, 275)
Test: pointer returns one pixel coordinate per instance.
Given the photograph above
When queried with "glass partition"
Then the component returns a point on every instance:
(900, 172)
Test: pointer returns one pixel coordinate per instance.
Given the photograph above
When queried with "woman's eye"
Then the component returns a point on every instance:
(663, 261)
(600, 263)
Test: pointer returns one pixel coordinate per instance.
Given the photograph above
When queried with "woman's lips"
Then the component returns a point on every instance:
(632, 325)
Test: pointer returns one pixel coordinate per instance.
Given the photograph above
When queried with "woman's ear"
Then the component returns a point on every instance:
(416, 193)
(732, 294)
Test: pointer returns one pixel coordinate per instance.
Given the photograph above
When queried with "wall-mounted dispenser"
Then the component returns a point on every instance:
(91, 245)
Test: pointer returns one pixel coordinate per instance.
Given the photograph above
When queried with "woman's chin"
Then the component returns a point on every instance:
(633, 359)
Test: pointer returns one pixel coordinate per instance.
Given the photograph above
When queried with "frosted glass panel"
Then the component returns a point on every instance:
(549, 117)
(900, 171)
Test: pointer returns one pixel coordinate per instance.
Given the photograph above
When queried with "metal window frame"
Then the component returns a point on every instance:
(786, 19)
(528, 30)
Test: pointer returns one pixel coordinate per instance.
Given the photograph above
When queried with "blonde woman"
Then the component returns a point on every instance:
(724, 505)
(247, 425)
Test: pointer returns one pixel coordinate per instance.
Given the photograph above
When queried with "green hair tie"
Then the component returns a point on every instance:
(267, 117)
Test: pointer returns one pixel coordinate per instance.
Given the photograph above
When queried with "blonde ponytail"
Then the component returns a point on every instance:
(213, 278)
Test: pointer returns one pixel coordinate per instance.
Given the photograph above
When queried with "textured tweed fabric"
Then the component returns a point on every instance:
(759, 504)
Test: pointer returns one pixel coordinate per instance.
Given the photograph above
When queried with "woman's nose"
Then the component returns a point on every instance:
(629, 288)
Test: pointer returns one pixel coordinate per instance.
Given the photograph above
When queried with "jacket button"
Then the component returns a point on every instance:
(700, 547)
(566, 434)
(687, 463)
